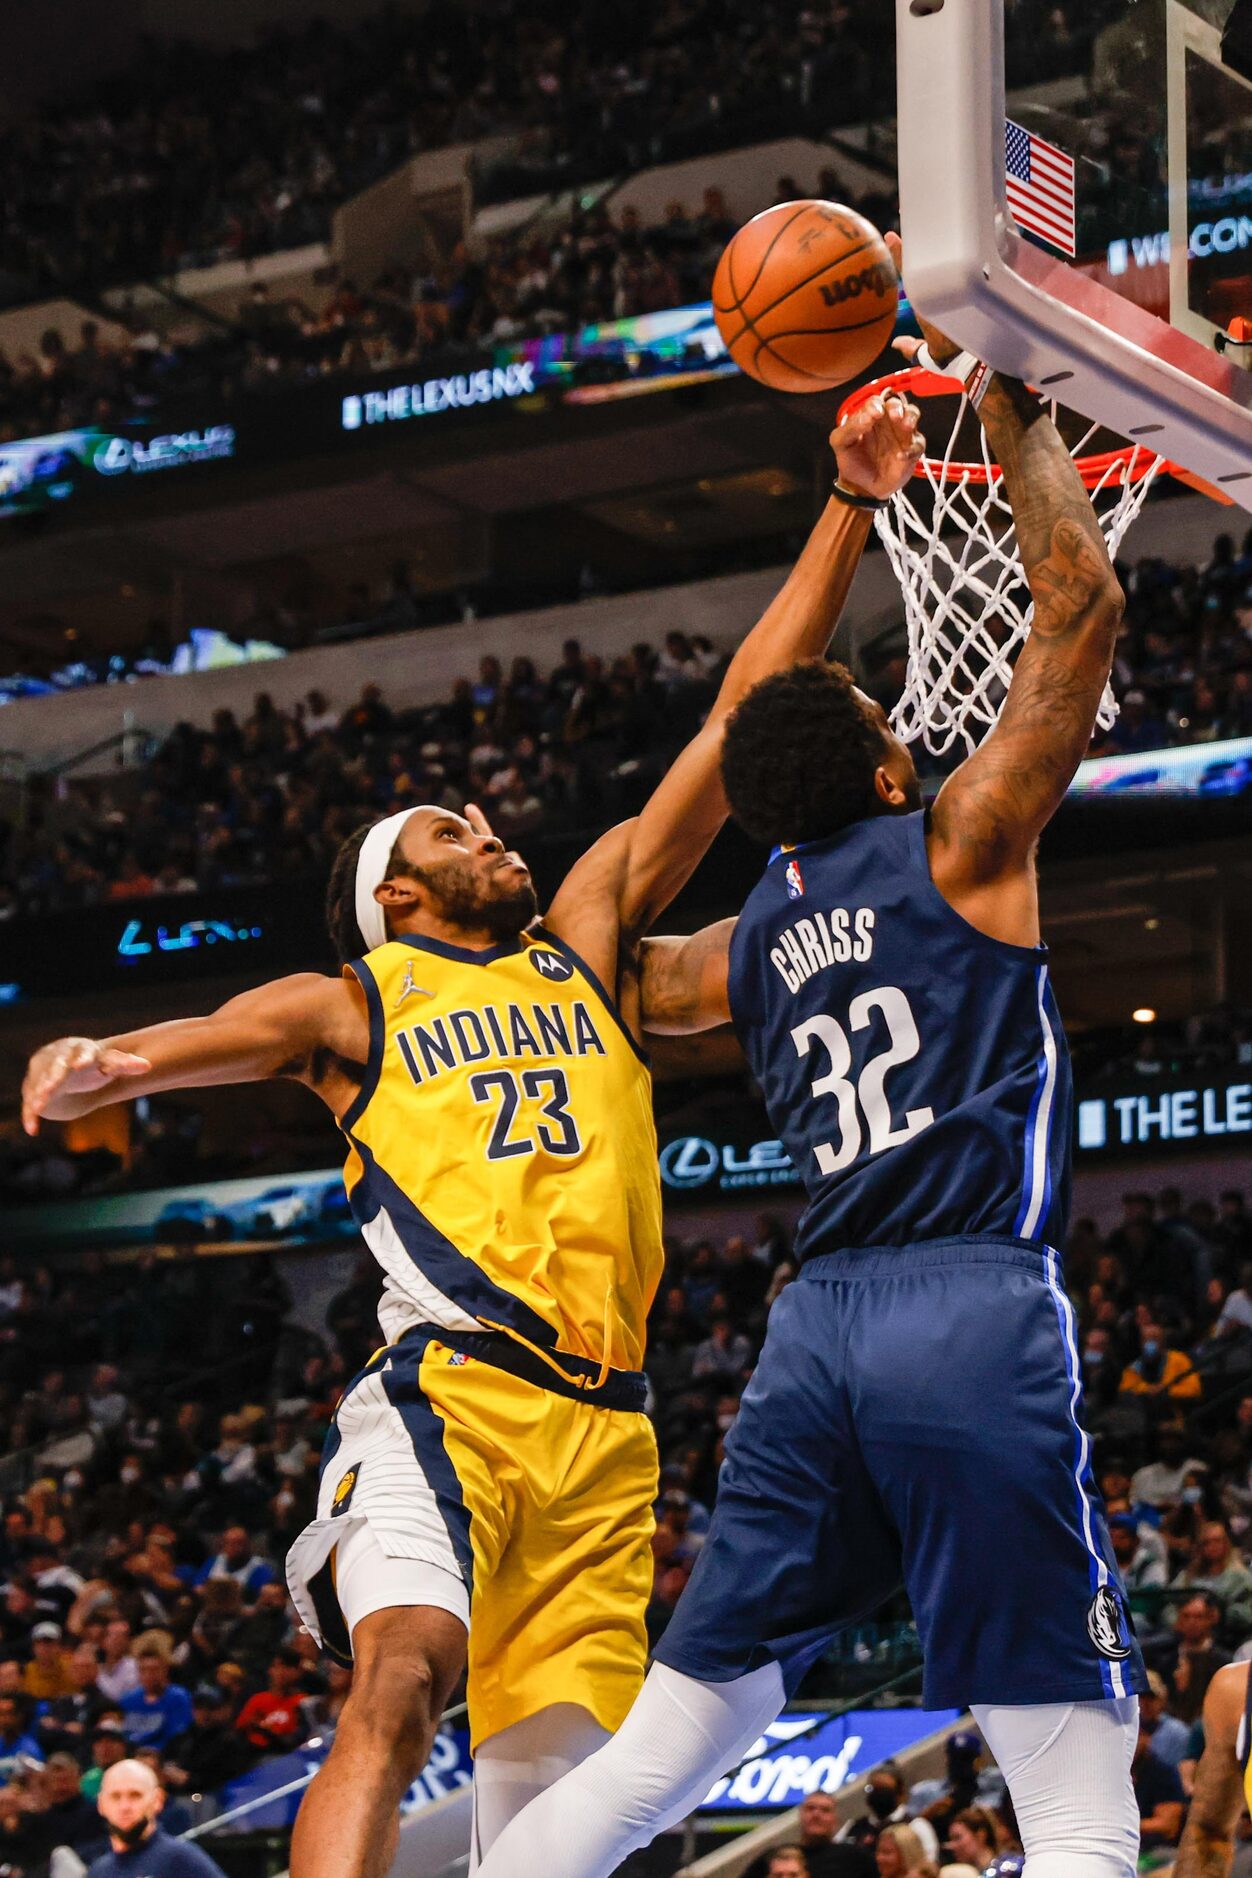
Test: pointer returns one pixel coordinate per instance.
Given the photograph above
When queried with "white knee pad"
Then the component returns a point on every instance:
(513, 1767)
(1068, 1769)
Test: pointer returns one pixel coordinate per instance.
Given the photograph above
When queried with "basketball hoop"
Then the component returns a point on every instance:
(966, 605)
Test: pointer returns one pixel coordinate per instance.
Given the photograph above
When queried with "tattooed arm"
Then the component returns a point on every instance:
(990, 812)
(1209, 1839)
(683, 982)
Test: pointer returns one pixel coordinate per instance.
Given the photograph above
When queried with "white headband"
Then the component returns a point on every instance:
(371, 869)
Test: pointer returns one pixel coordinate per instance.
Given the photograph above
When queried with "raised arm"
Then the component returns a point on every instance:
(992, 810)
(628, 878)
(308, 1027)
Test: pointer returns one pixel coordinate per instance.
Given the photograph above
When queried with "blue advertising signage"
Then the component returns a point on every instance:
(1212, 1111)
(448, 1768)
(805, 1752)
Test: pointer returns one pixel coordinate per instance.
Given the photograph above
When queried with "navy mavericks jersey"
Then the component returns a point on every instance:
(915, 1069)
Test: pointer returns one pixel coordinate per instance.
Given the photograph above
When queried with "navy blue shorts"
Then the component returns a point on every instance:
(914, 1419)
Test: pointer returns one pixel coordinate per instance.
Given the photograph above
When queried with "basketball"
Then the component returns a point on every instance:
(805, 296)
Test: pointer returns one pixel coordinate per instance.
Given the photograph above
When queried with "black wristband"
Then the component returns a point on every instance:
(854, 500)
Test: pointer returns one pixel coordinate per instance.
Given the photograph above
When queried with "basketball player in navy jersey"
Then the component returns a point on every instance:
(915, 1413)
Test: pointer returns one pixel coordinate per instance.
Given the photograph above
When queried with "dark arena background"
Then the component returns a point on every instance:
(367, 439)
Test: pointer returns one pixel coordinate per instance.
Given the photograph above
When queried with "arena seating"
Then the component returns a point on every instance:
(271, 797)
(147, 1511)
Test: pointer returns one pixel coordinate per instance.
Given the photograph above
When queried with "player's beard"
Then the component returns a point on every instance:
(466, 897)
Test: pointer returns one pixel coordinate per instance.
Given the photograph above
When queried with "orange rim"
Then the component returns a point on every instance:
(1135, 458)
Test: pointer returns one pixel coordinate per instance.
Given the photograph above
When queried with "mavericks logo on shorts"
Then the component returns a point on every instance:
(1106, 1626)
(344, 1491)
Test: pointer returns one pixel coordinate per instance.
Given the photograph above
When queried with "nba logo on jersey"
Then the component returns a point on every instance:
(795, 881)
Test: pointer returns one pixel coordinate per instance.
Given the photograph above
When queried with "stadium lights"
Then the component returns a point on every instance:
(1144, 1015)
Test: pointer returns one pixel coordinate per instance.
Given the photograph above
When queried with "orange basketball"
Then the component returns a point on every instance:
(805, 296)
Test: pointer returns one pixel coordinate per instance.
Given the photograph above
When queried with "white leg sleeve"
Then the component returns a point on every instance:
(677, 1739)
(1068, 1769)
(515, 1766)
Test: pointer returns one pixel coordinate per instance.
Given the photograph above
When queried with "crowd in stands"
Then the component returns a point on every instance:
(147, 1511)
(1183, 672)
(602, 263)
(271, 797)
(192, 154)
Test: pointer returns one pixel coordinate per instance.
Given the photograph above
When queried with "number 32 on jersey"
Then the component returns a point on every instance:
(867, 1097)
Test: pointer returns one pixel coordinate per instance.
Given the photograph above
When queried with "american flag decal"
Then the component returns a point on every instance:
(1039, 182)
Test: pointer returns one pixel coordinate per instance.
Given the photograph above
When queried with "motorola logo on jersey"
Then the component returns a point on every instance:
(552, 966)
(1106, 1626)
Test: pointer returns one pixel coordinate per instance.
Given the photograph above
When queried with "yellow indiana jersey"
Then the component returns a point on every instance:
(502, 1159)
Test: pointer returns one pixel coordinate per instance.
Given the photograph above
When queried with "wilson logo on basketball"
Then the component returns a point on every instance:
(876, 280)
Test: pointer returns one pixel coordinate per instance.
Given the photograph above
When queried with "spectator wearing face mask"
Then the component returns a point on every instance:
(885, 1797)
(130, 1802)
(1160, 1482)
(1160, 1371)
(1101, 1377)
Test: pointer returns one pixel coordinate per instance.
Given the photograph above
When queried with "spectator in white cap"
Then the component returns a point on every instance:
(47, 1675)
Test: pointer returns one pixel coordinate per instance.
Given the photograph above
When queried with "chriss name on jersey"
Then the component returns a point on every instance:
(822, 939)
(504, 1035)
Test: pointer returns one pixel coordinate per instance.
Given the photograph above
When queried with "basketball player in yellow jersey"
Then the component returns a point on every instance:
(1223, 1777)
(490, 1472)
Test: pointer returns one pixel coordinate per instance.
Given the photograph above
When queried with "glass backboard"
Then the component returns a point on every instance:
(1096, 161)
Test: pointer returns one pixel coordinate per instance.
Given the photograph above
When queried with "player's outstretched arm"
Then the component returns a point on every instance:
(991, 811)
(630, 876)
(684, 982)
(1208, 1840)
(303, 1026)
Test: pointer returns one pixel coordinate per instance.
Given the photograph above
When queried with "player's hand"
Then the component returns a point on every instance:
(879, 446)
(941, 347)
(73, 1066)
(478, 821)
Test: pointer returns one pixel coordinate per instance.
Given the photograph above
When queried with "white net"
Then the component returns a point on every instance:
(967, 606)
